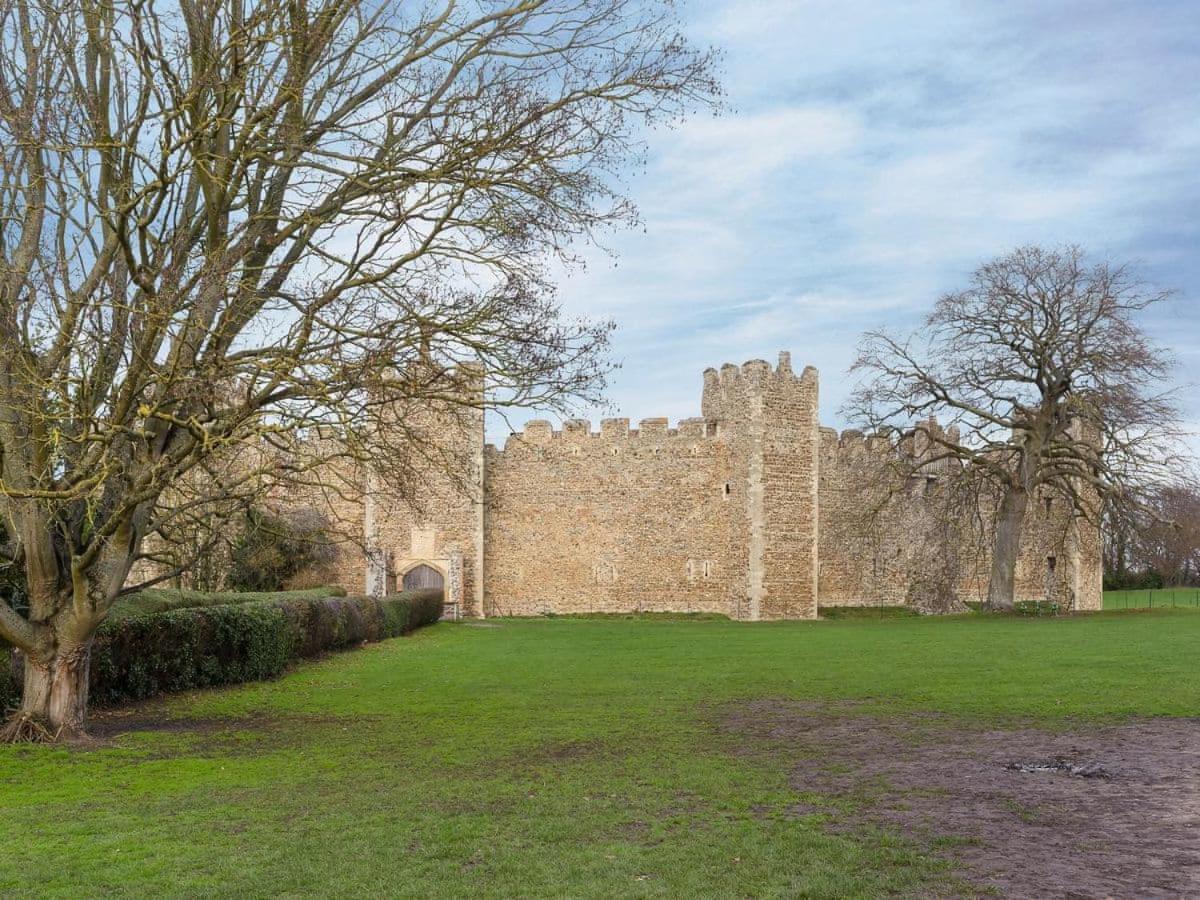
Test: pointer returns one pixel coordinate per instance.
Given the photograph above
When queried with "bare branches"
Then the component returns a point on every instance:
(1043, 351)
(225, 224)
(1155, 534)
(1042, 376)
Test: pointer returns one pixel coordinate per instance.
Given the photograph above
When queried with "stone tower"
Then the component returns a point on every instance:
(770, 419)
(435, 532)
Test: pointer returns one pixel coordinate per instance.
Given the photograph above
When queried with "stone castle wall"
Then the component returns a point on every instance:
(769, 417)
(751, 510)
(883, 531)
(716, 515)
(438, 521)
(611, 521)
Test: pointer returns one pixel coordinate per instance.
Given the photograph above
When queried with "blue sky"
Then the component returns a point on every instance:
(874, 153)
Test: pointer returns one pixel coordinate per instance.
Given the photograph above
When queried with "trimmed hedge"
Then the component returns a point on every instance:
(139, 656)
(155, 600)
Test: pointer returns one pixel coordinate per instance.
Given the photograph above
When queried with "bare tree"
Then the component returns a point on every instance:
(1046, 380)
(1117, 529)
(1159, 535)
(225, 221)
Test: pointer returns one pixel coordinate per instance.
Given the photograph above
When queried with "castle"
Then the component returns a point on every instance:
(751, 510)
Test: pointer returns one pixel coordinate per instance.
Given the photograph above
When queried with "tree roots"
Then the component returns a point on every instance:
(26, 728)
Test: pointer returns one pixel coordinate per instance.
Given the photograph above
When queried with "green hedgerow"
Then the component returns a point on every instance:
(144, 655)
(154, 600)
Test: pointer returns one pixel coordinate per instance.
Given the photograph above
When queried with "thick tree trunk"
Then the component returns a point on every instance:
(69, 690)
(1005, 548)
(54, 696)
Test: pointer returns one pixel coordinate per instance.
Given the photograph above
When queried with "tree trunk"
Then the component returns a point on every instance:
(69, 690)
(54, 697)
(1005, 548)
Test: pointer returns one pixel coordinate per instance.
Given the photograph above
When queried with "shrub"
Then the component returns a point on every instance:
(1148, 579)
(154, 600)
(867, 612)
(274, 548)
(10, 688)
(1036, 608)
(418, 608)
(139, 656)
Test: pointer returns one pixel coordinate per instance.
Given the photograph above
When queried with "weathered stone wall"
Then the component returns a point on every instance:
(882, 530)
(611, 521)
(334, 489)
(438, 520)
(717, 515)
(751, 510)
(313, 478)
(770, 419)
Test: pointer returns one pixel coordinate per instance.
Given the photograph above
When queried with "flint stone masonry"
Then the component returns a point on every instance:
(752, 510)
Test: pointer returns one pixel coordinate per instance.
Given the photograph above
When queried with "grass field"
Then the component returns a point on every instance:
(561, 757)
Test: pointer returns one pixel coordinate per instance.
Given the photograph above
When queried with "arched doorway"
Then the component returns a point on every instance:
(423, 577)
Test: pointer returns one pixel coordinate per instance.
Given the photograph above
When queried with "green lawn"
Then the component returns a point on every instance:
(560, 757)
(1152, 599)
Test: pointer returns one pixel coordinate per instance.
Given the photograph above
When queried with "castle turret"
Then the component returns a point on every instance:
(769, 416)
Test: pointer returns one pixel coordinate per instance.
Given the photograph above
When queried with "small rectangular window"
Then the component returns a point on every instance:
(1051, 563)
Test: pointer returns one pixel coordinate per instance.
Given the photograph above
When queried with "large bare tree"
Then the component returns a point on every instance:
(224, 221)
(1044, 377)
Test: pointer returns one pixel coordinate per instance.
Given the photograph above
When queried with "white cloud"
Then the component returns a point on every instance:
(737, 151)
(877, 153)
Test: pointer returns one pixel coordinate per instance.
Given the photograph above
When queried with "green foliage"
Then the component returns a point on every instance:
(1148, 579)
(10, 690)
(137, 656)
(153, 600)
(141, 656)
(1036, 608)
(411, 610)
(272, 548)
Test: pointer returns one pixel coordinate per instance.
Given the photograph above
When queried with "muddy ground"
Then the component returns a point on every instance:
(1093, 811)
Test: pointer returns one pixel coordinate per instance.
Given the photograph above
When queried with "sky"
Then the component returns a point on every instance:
(871, 156)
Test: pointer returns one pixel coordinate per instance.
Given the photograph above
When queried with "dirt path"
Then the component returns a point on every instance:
(1094, 812)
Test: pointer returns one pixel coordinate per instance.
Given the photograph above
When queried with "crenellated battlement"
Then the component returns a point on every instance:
(854, 447)
(730, 374)
(731, 392)
(724, 406)
(579, 433)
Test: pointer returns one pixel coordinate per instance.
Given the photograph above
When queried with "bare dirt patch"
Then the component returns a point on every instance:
(1090, 812)
(217, 735)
